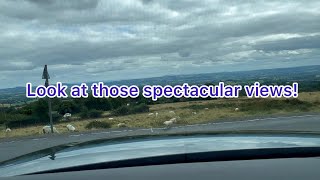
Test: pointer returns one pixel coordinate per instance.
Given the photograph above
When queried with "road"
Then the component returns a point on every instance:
(16, 147)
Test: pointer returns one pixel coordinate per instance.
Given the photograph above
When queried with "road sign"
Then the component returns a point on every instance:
(45, 74)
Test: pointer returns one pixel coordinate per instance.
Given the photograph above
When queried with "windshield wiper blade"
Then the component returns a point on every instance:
(229, 155)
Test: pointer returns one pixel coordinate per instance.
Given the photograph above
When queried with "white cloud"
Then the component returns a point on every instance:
(87, 40)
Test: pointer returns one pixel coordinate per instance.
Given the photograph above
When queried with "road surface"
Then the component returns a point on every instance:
(12, 148)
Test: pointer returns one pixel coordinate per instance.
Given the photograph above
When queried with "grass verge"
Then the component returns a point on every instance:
(188, 113)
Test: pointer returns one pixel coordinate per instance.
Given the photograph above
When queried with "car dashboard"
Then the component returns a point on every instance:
(287, 168)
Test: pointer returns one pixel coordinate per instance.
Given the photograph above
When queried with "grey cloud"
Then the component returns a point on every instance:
(144, 38)
(310, 42)
(81, 12)
(16, 66)
(99, 69)
(147, 1)
(280, 23)
(63, 5)
(184, 53)
(81, 51)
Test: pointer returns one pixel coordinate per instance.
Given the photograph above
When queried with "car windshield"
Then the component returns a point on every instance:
(78, 71)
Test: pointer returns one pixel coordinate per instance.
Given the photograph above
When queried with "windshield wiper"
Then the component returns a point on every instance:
(229, 155)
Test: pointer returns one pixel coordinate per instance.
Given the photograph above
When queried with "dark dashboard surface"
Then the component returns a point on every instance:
(291, 168)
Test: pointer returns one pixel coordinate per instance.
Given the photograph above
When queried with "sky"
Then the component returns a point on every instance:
(105, 40)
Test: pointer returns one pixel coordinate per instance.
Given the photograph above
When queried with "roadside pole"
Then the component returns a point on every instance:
(45, 75)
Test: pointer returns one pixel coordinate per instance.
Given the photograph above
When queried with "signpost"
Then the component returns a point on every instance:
(45, 75)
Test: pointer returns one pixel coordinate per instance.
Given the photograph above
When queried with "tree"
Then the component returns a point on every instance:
(68, 106)
(98, 103)
(40, 110)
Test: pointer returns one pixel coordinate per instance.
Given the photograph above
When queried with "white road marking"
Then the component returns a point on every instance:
(100, 133)
(116, 131)
(75, 135)
(37, 139)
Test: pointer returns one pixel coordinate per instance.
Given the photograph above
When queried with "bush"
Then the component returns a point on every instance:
(103, 104)
(273, 104)
(141, 108)
(98, 125)
(125, 110)
(85, 113)
(94, 113)
(19, 120)
(55, 117)
(67, 107)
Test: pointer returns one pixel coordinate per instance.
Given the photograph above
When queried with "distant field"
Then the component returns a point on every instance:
(4, 105)
(194, 112)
